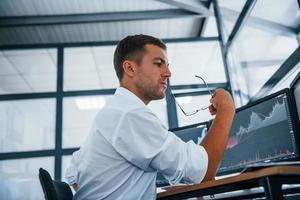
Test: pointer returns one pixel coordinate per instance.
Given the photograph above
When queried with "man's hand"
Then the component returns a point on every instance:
(75, 186)
(221, 100)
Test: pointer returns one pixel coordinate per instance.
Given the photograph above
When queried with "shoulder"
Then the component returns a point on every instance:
(144, 117)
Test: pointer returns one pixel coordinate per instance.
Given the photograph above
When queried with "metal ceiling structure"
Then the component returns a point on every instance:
(48, 22)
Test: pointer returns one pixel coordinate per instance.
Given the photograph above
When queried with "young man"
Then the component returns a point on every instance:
(128, 145)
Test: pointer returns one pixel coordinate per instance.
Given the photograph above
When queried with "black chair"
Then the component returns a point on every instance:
(54, 190)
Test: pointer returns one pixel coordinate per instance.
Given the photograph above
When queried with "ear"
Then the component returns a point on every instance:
(129, 68)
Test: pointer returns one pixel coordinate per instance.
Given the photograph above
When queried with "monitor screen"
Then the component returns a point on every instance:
(261, 132)
(295, 87)
(195, 132)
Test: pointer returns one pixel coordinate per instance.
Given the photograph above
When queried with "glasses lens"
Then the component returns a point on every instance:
(186, 104)
(192, 104)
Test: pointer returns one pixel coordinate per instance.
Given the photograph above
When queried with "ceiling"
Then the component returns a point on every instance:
(64, 21)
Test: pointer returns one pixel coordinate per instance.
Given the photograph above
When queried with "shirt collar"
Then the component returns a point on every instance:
(122, 92)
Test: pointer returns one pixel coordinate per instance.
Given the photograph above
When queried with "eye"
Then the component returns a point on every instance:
(158, 64)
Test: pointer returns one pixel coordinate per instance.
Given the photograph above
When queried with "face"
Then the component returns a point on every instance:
(152, 74)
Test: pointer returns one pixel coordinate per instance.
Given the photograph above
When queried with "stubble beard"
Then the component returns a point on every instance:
(150, 93)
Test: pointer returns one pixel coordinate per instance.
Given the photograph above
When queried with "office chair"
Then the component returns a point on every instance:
(54, 190)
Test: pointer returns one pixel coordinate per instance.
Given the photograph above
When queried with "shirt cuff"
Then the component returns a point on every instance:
(71, 176)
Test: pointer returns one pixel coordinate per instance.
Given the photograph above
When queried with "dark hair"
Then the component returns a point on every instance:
(132, 48)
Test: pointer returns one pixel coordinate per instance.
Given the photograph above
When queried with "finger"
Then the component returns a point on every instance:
(213, 112)
(212, 97)
(212, 107)
(214, 94)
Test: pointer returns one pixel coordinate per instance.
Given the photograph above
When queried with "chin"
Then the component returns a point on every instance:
(158, 97)
(161, 96)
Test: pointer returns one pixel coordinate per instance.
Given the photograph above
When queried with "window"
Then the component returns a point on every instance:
(190, 58)
(260, 53)
(27, 125)
(78, 115)
(190, 104)
(87, 68)
(19, 179)
(28, 71)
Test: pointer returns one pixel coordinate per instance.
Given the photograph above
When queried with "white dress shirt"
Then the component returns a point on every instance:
(126, 146)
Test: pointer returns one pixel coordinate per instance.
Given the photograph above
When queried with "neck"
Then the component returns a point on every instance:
(135, 91)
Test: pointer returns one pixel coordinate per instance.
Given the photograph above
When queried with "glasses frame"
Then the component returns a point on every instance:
(200, 109)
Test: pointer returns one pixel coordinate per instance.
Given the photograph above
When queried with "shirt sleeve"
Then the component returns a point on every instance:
(72, 170)
(142, 140)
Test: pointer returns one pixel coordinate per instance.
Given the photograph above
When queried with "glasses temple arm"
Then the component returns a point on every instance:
(205, 84)
(177, 103)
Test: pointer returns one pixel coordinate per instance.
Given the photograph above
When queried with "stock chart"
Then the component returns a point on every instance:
(259, 133)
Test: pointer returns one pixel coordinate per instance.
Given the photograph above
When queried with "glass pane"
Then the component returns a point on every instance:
(261, 53)
(230, 11)
(286, 81)
(24, 71)
(27, 125)
(258, 45)
(238, 82)
(262, 74)
(190, 104)
(210, 26)
(159, 108)
(283, 12)
(201, 58)
(78, 115)
(89, 68)
(19, 178)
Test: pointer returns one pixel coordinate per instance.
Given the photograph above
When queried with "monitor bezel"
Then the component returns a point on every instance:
(296, 133)
(190, 126)
(295, 81)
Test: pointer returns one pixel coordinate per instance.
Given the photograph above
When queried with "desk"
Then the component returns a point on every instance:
(271, 179)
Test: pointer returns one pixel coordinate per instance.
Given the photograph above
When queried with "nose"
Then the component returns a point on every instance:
(167, 73)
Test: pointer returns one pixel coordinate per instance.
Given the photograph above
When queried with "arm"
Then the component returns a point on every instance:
(72, 170)
(216, 139)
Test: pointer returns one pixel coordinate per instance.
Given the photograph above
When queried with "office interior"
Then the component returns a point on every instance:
(56, 68)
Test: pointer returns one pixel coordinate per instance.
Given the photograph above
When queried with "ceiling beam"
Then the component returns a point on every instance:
(298, 28)
(192, 6)
(99, 43)
(95, 17)
(205, 20)
(245, 13)
(261, 63)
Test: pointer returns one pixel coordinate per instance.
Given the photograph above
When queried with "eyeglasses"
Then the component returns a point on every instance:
(196, 111)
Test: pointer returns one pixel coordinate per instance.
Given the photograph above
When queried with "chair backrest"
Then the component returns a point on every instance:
(54, 190)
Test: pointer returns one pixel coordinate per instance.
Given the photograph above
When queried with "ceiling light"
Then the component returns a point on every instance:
(90, 103)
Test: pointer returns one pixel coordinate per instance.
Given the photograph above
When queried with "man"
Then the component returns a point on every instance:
(128, 145)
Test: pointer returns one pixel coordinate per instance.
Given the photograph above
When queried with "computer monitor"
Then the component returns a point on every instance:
(295, 92)
(195, 132)
(263, 131)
